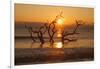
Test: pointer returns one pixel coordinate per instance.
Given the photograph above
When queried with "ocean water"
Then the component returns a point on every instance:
(80, 43)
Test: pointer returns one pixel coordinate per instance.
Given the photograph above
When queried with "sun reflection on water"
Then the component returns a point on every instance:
(58, 45)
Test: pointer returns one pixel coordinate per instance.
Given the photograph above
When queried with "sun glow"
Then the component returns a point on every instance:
(59, 45)
(60, 21)
(59, 35)
(59, 32)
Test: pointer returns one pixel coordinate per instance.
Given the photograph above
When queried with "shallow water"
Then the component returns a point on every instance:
(27, 43)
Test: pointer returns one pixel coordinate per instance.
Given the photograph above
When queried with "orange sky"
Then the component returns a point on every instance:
(38, 13)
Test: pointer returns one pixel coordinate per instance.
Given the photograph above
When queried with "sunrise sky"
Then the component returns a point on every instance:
(41, 13)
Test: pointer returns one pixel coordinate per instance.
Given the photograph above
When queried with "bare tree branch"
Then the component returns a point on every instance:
(31, 33)
(65, 33)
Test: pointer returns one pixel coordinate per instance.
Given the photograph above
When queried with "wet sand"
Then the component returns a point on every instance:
(24, 56)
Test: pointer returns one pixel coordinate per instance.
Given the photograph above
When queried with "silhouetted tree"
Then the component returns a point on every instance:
(50, 28)
(29, 28)
(40, 36)
(39, 33)
(66, 33)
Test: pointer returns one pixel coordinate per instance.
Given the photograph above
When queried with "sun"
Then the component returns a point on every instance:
(60, 21)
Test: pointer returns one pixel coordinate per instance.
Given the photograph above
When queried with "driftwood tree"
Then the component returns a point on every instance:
(50, 28)
(29, 28)
(65, 34)
(51, 32)
(39, 33)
